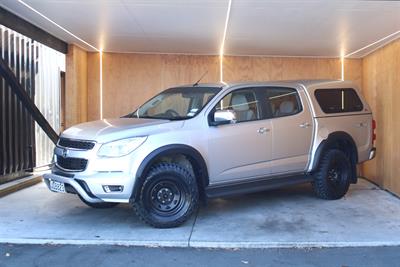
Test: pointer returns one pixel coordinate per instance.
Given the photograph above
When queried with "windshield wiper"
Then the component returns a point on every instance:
(150, 117)
(177, 118)
(129, 115)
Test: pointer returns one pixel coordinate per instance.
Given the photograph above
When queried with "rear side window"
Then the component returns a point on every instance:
(338, 100)
(283, 101)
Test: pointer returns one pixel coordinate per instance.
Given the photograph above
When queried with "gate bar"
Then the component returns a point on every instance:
(27, 102)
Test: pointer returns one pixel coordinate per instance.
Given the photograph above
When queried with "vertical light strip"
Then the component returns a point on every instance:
(101, 84)
(221, 51)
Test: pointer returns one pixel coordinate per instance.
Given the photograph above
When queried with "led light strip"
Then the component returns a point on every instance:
(59, 26)
(81, 40)
(221, 51)
(343, 57)
(372, 44)
(101, 84)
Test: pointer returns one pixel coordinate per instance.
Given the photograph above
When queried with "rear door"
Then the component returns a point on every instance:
(292, 129)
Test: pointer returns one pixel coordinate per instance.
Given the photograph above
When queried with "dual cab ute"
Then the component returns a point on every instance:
(209, 140)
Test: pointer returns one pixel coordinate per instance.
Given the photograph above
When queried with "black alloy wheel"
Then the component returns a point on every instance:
(168, 196)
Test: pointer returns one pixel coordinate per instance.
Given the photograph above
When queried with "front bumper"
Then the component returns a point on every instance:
(100, 172)
(91, 188)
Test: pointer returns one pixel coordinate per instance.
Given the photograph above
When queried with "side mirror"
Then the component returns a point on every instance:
(224, 117)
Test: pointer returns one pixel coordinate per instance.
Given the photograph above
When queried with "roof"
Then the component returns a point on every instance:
(305, 83)
(286, 83)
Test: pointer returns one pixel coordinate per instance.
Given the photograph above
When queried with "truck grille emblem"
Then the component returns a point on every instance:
(64, 153)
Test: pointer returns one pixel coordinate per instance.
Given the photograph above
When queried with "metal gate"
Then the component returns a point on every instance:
(23, 144)
(17, 133)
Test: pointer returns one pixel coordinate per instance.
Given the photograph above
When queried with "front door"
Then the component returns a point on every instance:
(240, 150)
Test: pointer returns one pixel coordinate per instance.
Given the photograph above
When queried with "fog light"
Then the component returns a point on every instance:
(113, 188)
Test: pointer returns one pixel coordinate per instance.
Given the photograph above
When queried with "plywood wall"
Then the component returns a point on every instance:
(93, 75)
(353, 71)
(285, 68)
(381, 87)
(76, 81)
(273, 68)
(130, 79)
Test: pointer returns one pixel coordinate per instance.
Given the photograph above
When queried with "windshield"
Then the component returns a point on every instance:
(176, 103)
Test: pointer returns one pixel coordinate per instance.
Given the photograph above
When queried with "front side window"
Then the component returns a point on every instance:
(338, 100)
(283, 102)
(243, 102)
(176, 103)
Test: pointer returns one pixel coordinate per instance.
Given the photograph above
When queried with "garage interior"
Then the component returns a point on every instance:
(121, 53)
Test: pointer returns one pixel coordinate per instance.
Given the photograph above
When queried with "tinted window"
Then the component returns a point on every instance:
(243, 102)
(338, 100)
(283, 101)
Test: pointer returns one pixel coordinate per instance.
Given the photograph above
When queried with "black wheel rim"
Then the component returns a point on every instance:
(167, 197)
(336, 173)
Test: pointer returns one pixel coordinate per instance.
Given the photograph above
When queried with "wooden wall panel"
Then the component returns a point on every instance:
(185, 69)
(274, 68)
(130, 79)
(353, 71)
(76, 90)
(93, 72)
(381, 86)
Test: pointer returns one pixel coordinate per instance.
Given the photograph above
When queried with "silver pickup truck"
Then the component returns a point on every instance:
(198, 141)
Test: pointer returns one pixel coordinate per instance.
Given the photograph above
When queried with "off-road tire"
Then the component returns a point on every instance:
(333, 176)
(173, 184)
(99, 205)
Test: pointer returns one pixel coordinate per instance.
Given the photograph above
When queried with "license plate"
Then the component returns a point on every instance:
(57, 186)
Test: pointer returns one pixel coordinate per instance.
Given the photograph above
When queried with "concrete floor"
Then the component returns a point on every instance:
(290, 217)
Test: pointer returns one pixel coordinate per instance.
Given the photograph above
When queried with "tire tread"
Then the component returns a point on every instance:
(194, 195)
(320, 186)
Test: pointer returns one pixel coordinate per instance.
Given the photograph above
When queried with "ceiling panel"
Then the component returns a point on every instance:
(170, 26)
(308, 28)
(161, 45)
(323, 28)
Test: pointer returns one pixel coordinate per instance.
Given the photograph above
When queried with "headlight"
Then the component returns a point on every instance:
(121, 147)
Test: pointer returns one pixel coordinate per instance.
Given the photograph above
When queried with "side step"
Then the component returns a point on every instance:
(256, 185)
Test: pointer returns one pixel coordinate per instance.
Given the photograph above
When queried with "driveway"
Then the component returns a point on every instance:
(290, 217)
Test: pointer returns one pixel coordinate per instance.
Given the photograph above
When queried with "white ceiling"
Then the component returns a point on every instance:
(323, 28)
(308, 28)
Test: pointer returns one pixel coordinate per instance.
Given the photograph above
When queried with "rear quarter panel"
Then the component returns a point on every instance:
(357, 124)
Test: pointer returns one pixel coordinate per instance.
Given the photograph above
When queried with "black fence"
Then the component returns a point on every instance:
(17, 129)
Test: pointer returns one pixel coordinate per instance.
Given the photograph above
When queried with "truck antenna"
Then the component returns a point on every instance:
(202, 76)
